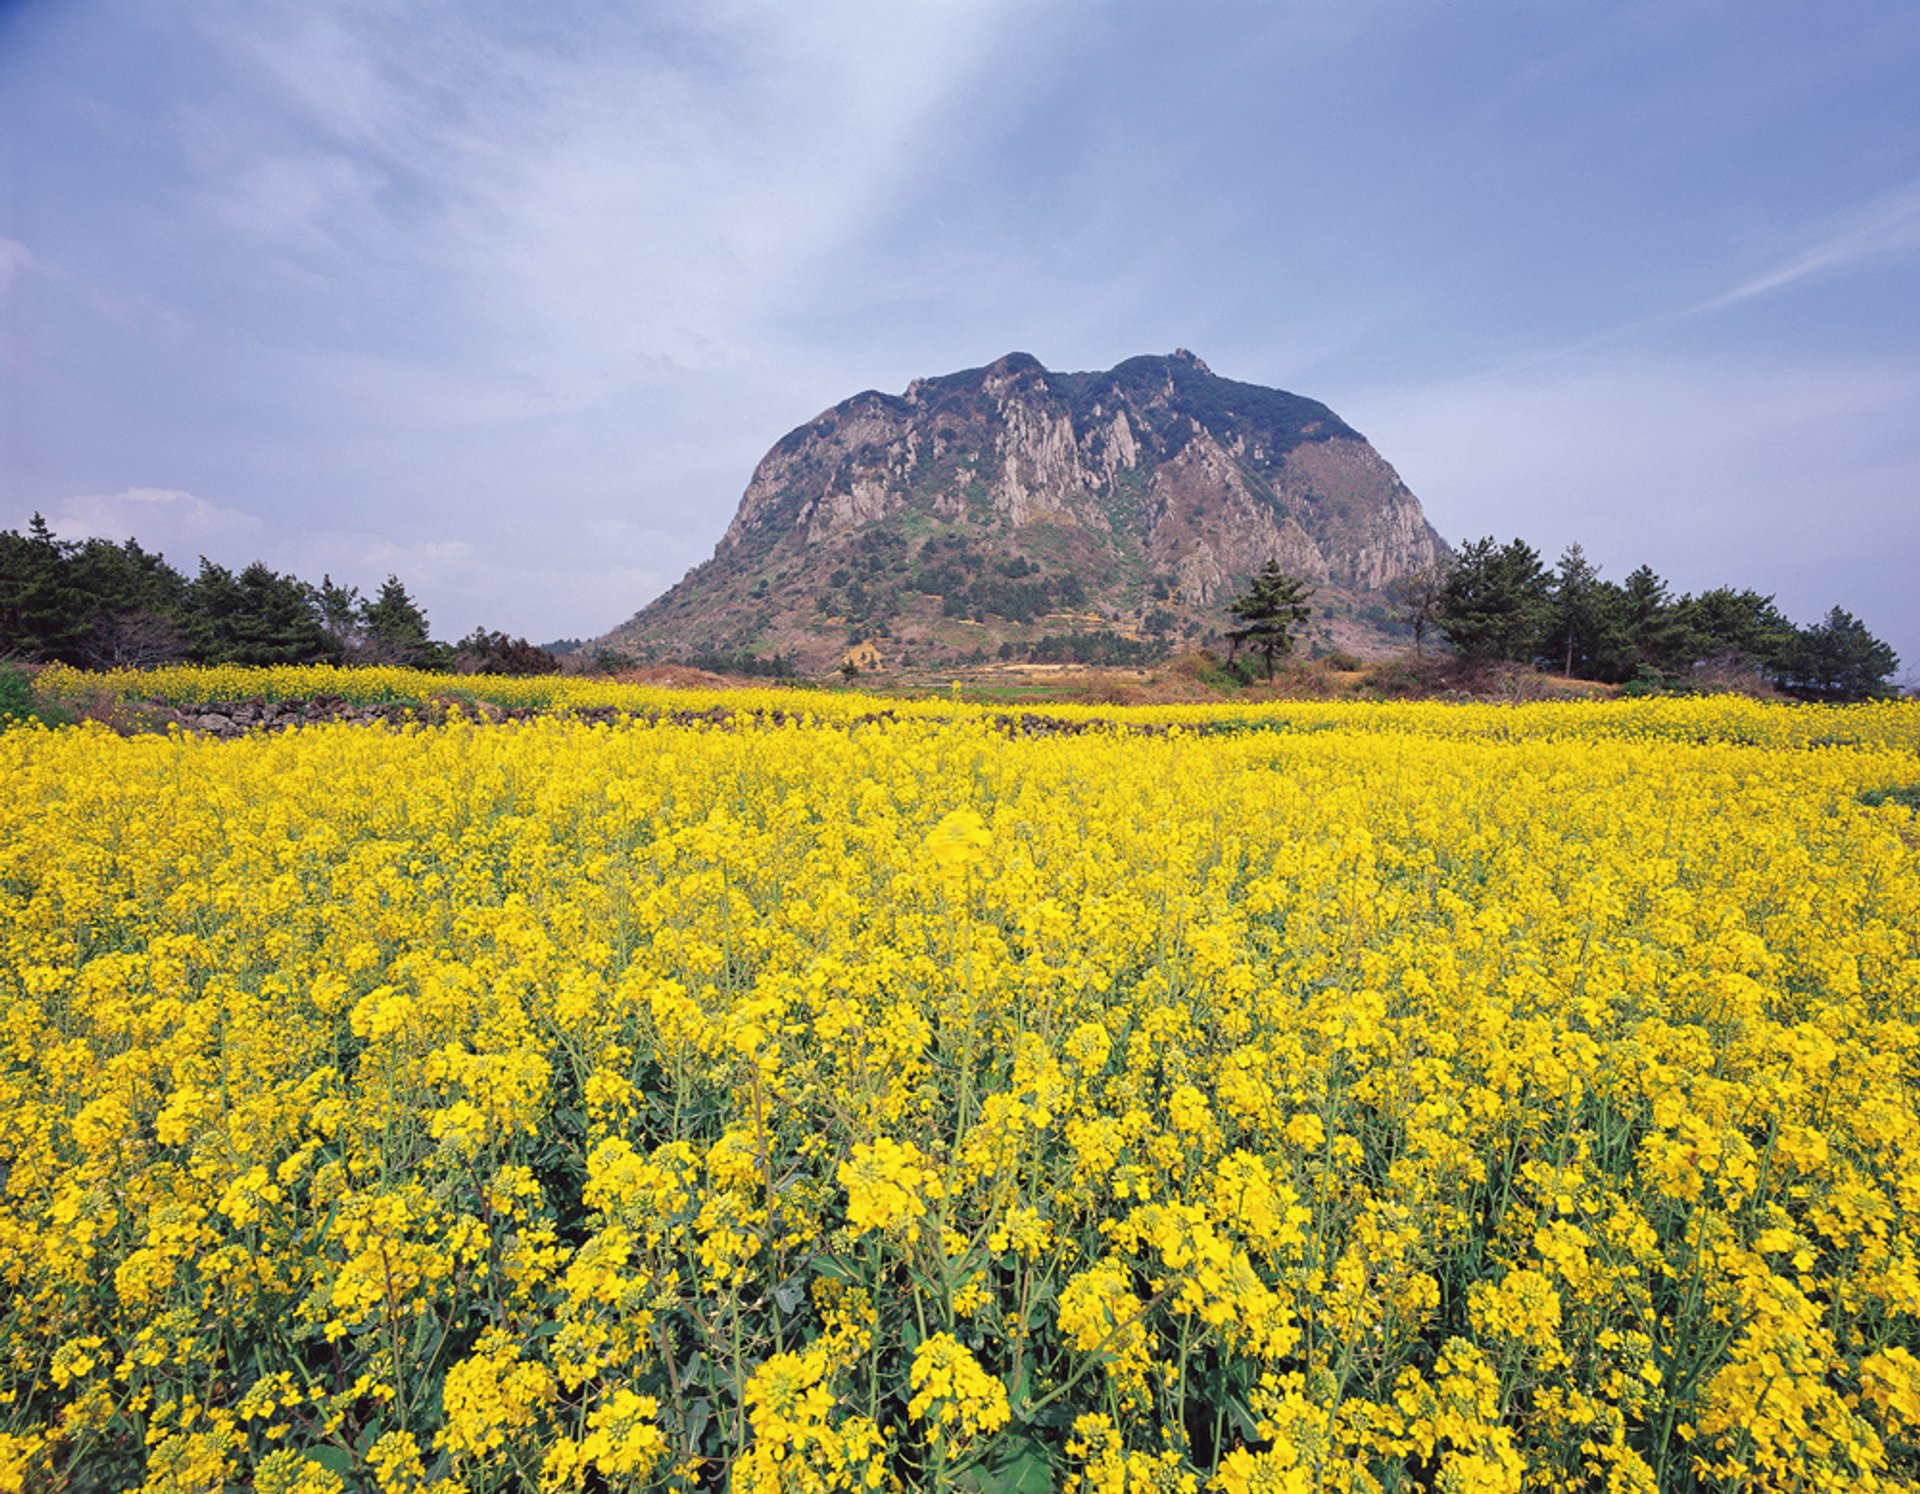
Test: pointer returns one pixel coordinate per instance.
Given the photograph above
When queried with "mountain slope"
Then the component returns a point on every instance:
(1010, 511)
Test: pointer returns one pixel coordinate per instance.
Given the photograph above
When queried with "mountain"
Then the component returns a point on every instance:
(1013, 512)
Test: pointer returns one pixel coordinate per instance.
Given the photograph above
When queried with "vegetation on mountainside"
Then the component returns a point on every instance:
(1493, 604)
(98, 604)
(985, 511)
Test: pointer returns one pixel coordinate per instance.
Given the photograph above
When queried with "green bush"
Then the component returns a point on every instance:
(1232, 674)
(18, 703)
(1407, 677)
(1646, 681)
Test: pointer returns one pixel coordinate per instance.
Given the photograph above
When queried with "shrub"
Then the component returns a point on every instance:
(19, 704)
(484, 652)
(1407, 676)
(1646, 681)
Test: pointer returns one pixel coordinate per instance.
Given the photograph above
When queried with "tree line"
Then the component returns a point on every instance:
(103, 605)
(1501, 603)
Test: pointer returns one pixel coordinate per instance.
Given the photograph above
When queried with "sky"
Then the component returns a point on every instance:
(508, 300)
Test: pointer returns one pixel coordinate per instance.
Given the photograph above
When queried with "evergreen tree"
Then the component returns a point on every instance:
(396, 630)
(103, 604)
(126, 578)
(257, 617)
(214, 601)
(339, 611)
(484, 652)
(1654, 626)
(1269, 611)
(1611, 654)
(1838, 659)
(1498, 602)
(137, 605)
(43, 614)
(1740, 627)
(1576, 610)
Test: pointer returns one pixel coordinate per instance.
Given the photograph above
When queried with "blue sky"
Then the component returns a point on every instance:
(509, 299)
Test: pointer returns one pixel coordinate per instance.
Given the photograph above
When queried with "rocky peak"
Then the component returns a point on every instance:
(1001, 506)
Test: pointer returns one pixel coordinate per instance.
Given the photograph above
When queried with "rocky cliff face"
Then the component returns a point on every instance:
(1010, 511)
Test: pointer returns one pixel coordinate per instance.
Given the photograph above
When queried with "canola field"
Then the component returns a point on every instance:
(1300, 1098)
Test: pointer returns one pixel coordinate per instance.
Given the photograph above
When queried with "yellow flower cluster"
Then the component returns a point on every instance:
(1726, 718)
(1303, 1098)
(958, 1400)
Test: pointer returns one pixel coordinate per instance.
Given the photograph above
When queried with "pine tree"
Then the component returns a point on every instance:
(396, 627)
(1740, 628)
(257, 617)
(43, 614)
(136, 605)
(1838, 659)
(1268, 612)
(339, 610)
(1498, 602)
(485, 652)
(1657, 624)
(1576, 608)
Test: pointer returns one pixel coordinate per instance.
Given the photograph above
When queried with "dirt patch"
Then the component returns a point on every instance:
(680, 677)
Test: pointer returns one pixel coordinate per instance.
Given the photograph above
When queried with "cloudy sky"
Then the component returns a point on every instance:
(508, 299)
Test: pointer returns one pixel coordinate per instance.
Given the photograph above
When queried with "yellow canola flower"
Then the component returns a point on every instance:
(888, 1184)
(289, 1472)
(1313, 1095)
(959, 840)
(956, 1399)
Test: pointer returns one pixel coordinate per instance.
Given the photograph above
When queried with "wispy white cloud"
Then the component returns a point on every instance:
(1796, 479)
(1885, 229)
(14, 257)
(170, 520)
(1882, 231)
(458, 582)
(665, 194)
(295, 197)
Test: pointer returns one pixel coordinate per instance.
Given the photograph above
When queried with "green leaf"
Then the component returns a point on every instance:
(790, 1293)
(833, 1266)
(1243, 1420)
(699, 1416)
(1019, 1465)
(333, 1459)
